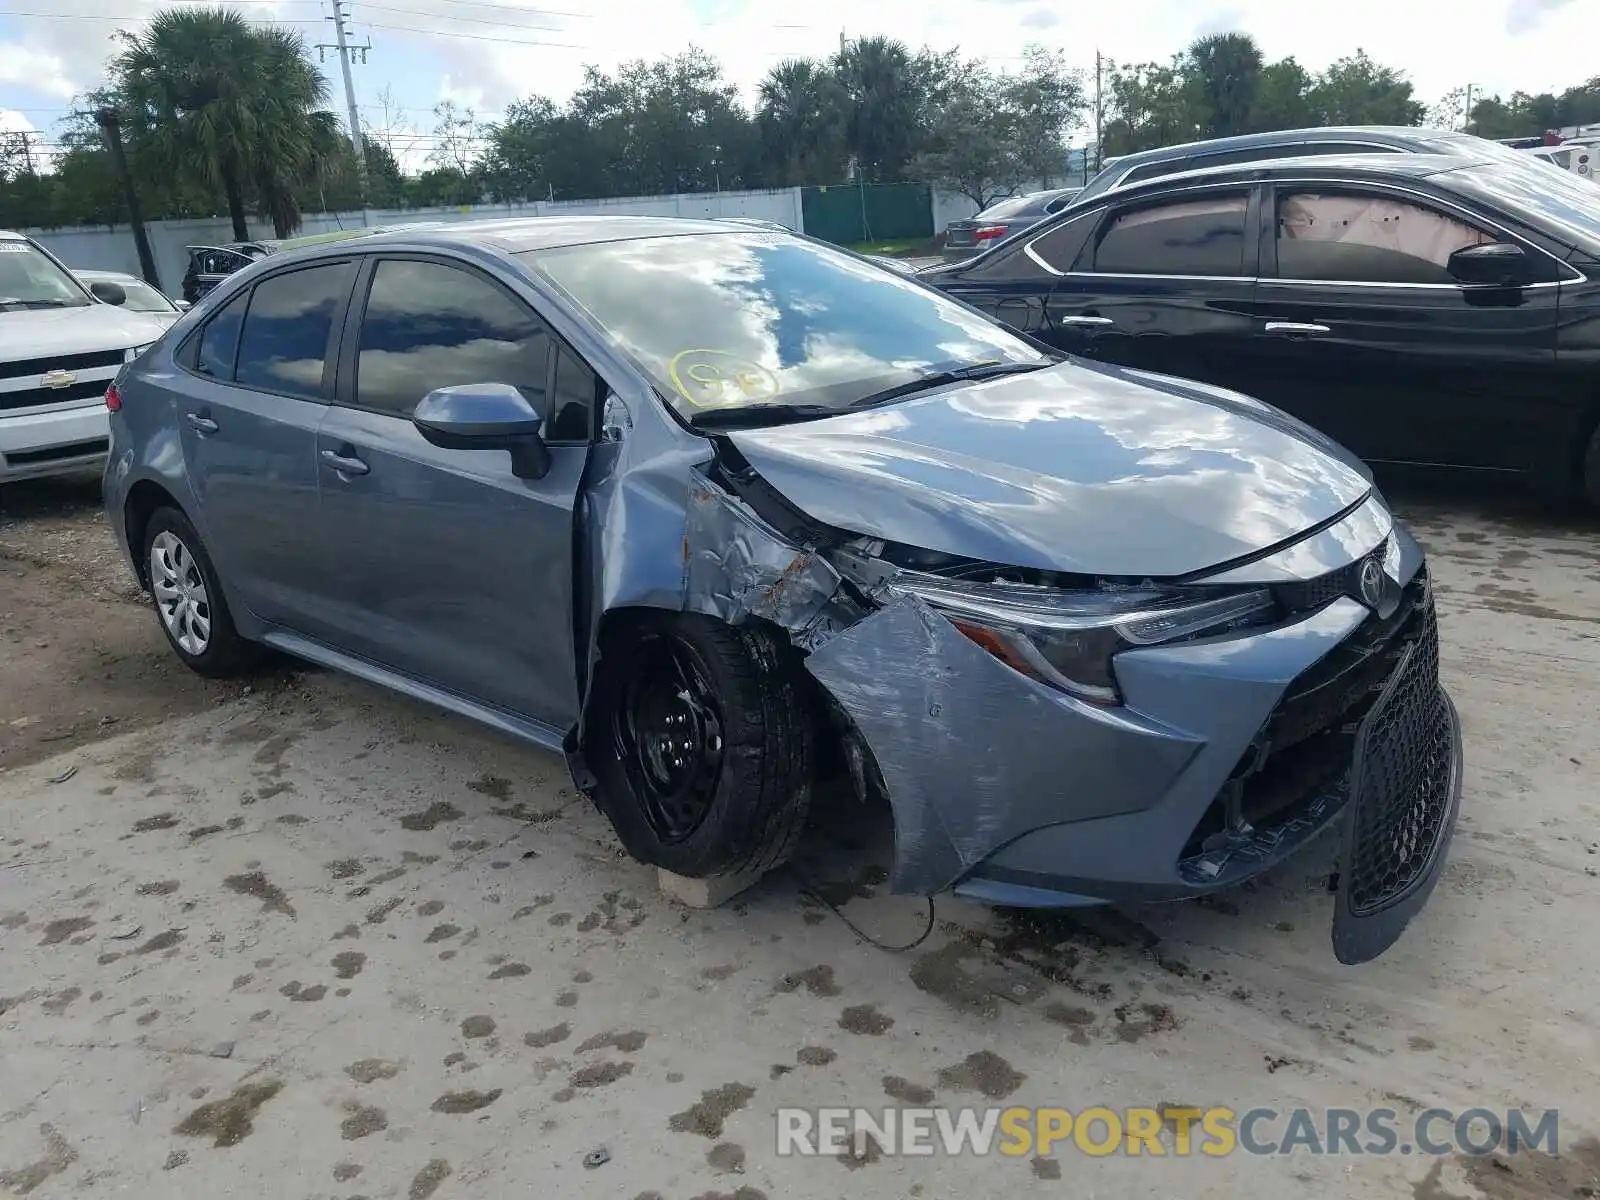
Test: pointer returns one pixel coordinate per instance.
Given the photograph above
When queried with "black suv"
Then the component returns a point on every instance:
(1418, 308)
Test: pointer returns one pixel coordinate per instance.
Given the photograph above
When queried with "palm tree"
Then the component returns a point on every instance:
(209, 93)
(800, 109)
(883, 99)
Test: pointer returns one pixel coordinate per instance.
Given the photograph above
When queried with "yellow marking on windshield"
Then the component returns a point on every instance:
(717, 379)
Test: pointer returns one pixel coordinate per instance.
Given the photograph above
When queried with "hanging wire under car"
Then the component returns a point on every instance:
(807, 888)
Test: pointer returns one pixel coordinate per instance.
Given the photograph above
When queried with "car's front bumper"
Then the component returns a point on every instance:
(54, 441)
(1230, 754)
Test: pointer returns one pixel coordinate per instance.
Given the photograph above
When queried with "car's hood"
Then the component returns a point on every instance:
(41, 332)
(1077, 468)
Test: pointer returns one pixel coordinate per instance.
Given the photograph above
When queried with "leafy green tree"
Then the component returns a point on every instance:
(1046, 100)
(1150, 105)
(800, 113)
(971, 142)
(886, 91)
(1225, 69)
(1358, 91)
(1281, 97)
(202, 91)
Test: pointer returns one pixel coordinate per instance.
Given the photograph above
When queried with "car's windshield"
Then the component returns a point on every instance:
(142, 297)
(743, 320)
(1567, 204)
(29, 279)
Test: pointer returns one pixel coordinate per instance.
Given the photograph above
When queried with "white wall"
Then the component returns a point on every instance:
(103, 249)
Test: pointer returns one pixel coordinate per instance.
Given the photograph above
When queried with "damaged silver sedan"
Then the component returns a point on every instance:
(711, 509)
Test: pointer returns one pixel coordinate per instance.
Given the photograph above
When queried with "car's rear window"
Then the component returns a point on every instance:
(740, 319)
(1016, 206)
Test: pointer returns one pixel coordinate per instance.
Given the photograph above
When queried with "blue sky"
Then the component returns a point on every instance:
(485, 54)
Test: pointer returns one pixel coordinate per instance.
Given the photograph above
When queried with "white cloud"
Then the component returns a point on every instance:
(35, 69)
(1526, 15)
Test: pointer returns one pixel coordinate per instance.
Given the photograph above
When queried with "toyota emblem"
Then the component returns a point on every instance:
(1371, 583)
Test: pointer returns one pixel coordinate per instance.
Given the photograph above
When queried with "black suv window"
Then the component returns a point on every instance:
(219, 340)
(284, 342)
(430, 326)
(1351, 237)
(1201, 235)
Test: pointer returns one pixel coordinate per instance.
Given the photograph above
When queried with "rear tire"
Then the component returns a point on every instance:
(701, 745)
(188, 600)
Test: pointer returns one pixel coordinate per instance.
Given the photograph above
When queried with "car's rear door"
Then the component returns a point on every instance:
(1163, 282)
(1362, 332)
(442, 564)
(255, 383)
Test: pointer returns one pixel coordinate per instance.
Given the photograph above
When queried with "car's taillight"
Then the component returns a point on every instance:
(113, 399)
(989, 232)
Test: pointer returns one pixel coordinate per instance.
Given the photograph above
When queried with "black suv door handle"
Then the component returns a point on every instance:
(345, 464)
(201, 423)
(1084, 321)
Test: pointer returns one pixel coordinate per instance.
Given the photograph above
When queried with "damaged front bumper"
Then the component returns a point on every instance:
(1230, 754)
(1227, 754)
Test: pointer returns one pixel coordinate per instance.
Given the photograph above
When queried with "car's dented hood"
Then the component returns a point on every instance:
(1075, 468)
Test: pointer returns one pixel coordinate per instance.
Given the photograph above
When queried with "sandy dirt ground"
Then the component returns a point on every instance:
(304, 939)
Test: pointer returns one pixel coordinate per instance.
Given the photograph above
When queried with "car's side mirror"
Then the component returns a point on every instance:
(107, 292)
(486, 416)
(1493, 264)
(183, 305)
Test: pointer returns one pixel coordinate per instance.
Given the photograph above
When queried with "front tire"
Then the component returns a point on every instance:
(701, 745)
(188, 599)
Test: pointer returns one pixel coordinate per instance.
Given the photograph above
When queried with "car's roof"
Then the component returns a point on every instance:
(9, 236)
(1388, 135)
(518, 234)
(1411, 166)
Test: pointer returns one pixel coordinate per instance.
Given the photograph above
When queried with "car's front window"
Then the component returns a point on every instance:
(144, 298)
(30, 279)
(750, 320)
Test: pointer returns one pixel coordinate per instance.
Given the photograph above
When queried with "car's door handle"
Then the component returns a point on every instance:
(345, 464)
(1083, 322)
(201, 423)
(1296, 328)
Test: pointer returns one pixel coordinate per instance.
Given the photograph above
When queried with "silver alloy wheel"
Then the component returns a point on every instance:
(180, 592)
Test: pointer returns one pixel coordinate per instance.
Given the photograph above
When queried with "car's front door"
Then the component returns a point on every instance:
(1164, 283)
(443, 565)
(256, 383)
(1362, 332)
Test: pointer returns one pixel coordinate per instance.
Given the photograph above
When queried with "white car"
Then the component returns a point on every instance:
(61, 344)
(141, 297)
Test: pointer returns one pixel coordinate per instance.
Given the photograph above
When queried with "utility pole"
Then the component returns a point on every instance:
(111, 130)
(1466, 111)
(344, 49)
(1099, 116)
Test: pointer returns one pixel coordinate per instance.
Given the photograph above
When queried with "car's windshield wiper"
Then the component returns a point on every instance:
(742, 416)
(922, 383)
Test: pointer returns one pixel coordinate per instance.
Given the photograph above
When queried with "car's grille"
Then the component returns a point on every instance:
(1403, 784)
(63, 362)
(88, 389)
(1298, 766)
(1314, 593)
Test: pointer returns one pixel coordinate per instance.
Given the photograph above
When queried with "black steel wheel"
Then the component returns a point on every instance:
(700, 743)
(667, 734)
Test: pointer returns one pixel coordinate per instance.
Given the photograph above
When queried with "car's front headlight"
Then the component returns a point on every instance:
(1067, 638)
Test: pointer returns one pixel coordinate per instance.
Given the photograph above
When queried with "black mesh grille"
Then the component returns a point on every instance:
(34, 397)
(1299, 764)
(18, 368)
(1314, 593)
(1403, 790)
